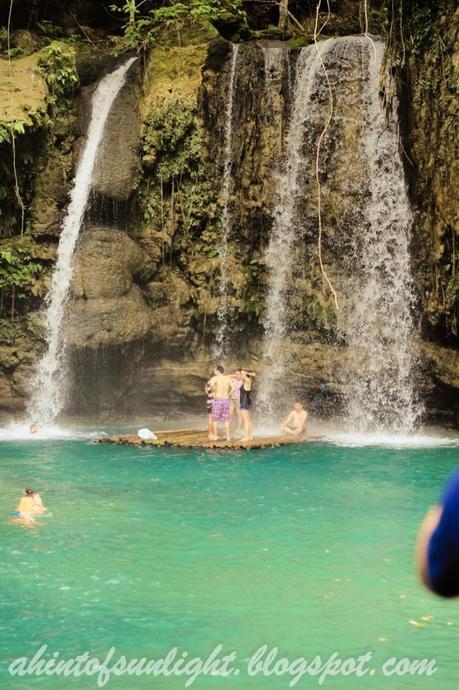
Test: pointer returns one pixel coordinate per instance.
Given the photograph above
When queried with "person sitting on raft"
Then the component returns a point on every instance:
(222, 389)
(29, 506)
(437, 552)
(295, 424)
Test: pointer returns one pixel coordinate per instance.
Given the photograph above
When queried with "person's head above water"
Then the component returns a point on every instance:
(33, 428)
(30, 492)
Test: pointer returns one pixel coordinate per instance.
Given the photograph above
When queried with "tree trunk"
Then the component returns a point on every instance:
(283, 15)
(132, 12)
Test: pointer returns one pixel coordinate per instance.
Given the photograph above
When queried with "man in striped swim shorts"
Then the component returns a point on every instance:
(222, 388)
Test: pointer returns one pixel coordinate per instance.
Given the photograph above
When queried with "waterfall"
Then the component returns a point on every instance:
(222, 313)
(378, 328)
(276, 68)
(279, 252)
(48, 395)
(275, 62)
(361, 167)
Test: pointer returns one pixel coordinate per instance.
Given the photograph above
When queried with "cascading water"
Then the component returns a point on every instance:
(379, 328)
(277, 72)
(222, 313)
(362, 171)
(279, 253)
(276, 60)
(47, 399)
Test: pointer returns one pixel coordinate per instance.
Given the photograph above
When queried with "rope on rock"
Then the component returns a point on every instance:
(319, 145)
(365, 33)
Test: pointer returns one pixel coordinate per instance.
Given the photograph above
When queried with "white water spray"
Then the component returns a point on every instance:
(222, 313)
(379, 326)
(376, 320)
(48, 394)
(279, 253)
(276, 68)
(276, 60)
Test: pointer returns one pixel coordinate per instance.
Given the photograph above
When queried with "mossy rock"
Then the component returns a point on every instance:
(190, 34)
(23, 90)
(172, 74)
(301, 41)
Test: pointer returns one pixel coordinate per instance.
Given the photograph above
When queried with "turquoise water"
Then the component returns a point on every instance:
(309, 549)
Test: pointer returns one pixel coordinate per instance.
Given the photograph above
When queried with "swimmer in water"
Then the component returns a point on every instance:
(28, 508)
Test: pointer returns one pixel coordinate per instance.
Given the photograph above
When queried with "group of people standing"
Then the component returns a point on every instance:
(229, 396)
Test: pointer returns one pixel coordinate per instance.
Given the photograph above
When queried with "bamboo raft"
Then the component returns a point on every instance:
(197, 438)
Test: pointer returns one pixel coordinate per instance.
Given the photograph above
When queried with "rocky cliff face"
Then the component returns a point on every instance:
(428, 94)
(145, 295)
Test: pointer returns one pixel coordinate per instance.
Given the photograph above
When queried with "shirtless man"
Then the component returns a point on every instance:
(295, 423)
(222, 389)
(209, 400)
(29, 506)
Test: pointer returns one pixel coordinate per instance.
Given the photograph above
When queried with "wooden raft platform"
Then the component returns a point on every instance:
(197, 438)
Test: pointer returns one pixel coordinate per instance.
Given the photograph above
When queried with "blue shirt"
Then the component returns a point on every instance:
(443, 547)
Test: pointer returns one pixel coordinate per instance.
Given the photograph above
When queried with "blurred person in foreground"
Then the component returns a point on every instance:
(437, 551)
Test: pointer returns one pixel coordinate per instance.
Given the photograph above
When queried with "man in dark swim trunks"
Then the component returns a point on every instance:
(438, 544)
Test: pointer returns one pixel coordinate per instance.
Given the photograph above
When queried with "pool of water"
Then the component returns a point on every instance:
(308, 549)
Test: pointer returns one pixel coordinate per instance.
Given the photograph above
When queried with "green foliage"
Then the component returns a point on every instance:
(18, 274)
(201, 11)
(254, 298)
(58, 68)
(49, 29)
(6, 128)
(3, 39)
(12, 52)
(166, 130)
(174, 143)
(139, 36)
(140, 31)
(421, 29)
(10, 332)
(323, 318)
(28, 148)
(447, 285)
(170, 14)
